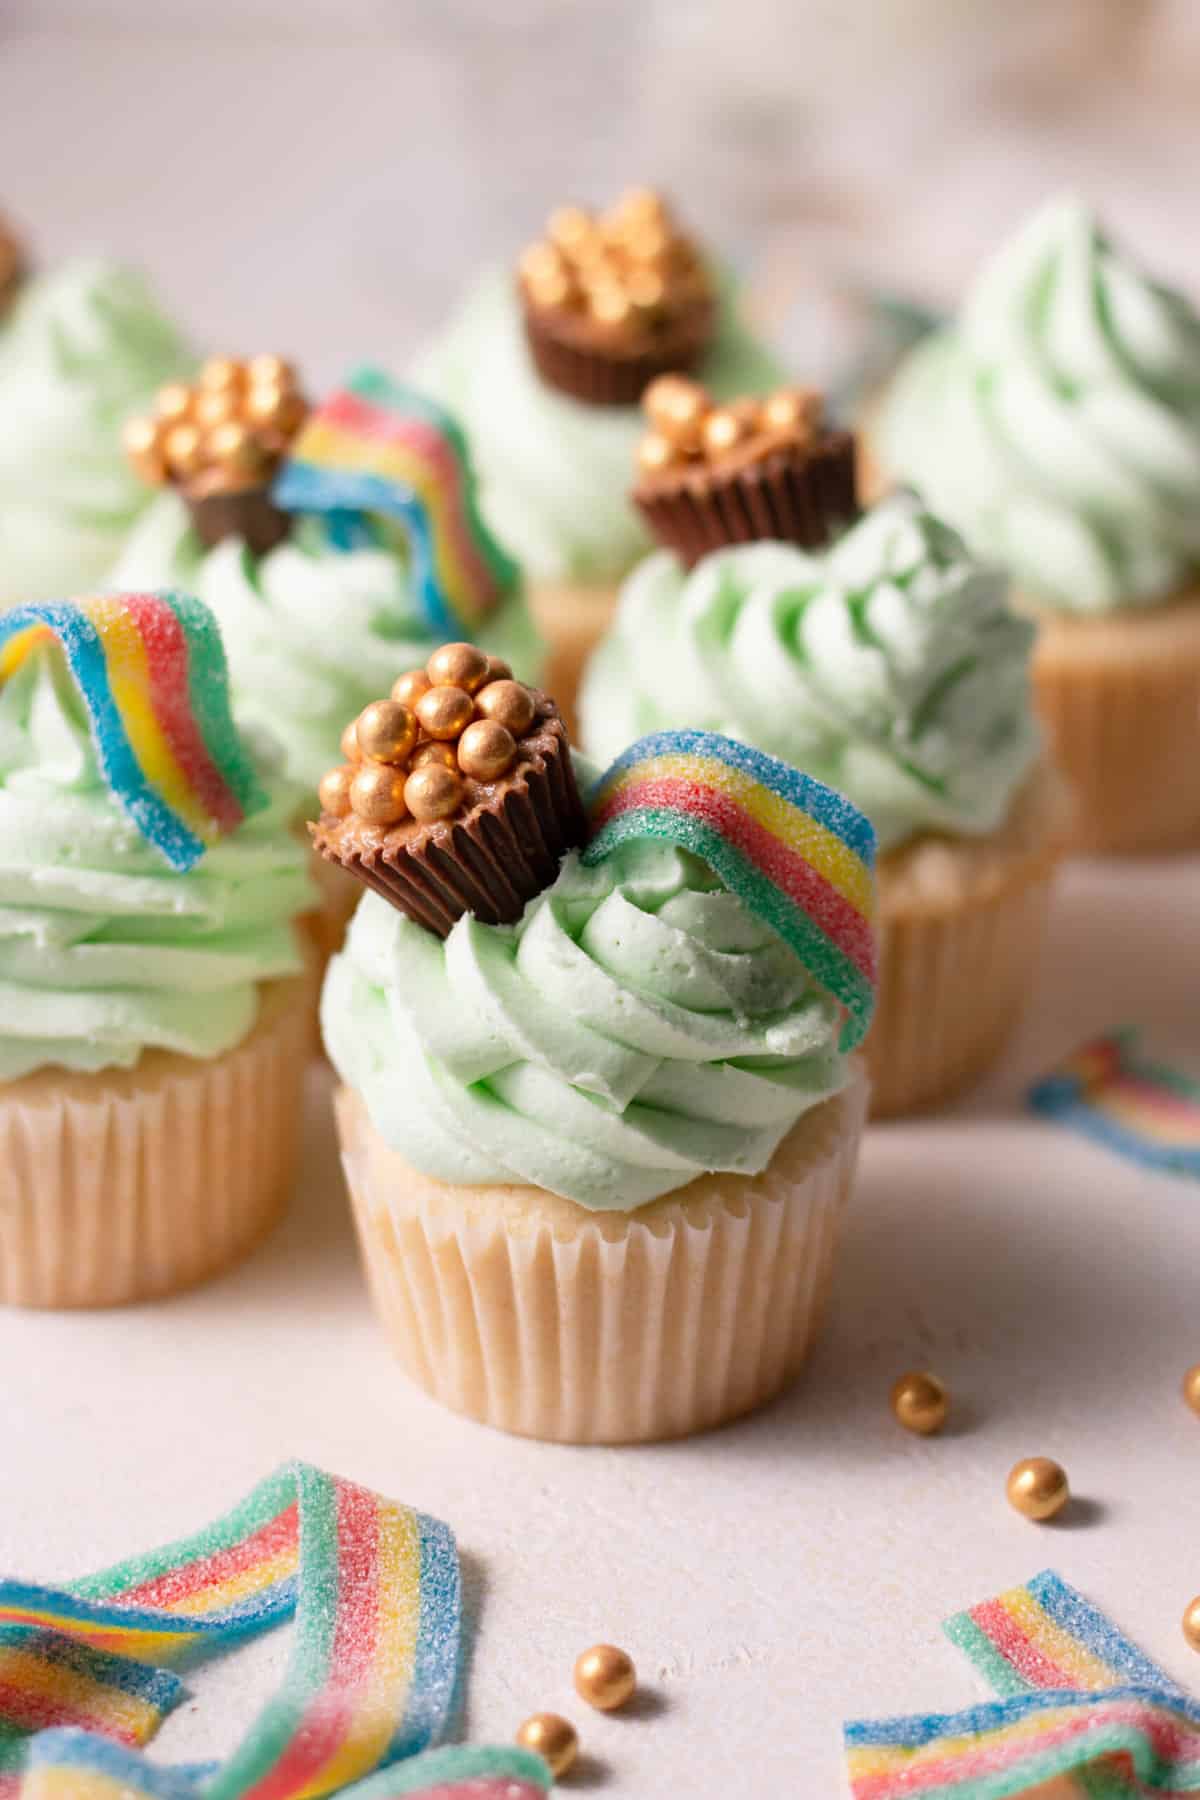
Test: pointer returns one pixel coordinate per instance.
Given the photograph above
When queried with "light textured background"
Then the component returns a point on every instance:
(321, 177)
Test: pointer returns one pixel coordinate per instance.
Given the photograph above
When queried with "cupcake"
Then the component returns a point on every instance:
(598, 1109)
(545, 365)
(317, 606)
(155, 1010)
(1056, 424)
(80, 348)
(889, 666)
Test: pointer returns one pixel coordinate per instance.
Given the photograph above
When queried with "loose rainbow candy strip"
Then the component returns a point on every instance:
(150, 670)
(378, 447)
(1142, 1109)
(374, 1588)
(1078, 1699)
(796, 853)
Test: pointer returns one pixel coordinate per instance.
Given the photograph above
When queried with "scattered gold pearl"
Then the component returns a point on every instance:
(1191, 1623)
(174, 402)
(386, 731)
(222, 374)
(334, 791)
(605, 1677)
(1191, 1388)
(143, 443)
(553, 1738)
(676, 407)
(441, 754)
(458, 665)
(1038, 1488)
(377, 794)
(445, 712)
(183, 449)
(349, 743)
(432, 792)
(790, 408)
(270, 371)
(920, 1403)
(486, 749)
(407, 689)
(509, 703)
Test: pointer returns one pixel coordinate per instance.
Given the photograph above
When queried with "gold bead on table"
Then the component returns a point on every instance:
(676, 408)
(1191, 1623)
(1038, 1488)
(334, 791)
(143, 443)
(486, 750)
(433, 752)
(432, 792)
(509, 703)
(349, 743)
(551, 1737)
(605, 1677)
(377, 794)
(408, 688)
(445, 712)
(386, 731)
(1191, 1388)
(458, 665)
(920, 1403)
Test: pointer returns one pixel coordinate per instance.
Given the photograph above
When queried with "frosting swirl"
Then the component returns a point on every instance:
(1057, 423)
(637, 1028)
(889, 667)
(555, 473)
(311, 632)
(104, 951)
(85, 347)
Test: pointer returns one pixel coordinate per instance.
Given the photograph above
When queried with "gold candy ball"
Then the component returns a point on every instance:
(1191, 1623)
(233, 446)
(441, 754)
(222, 374)
(271, 371)
(920, 1403)
(386, 731)
(183, 450)
(270, 407)
(433, 792)
(498, 669)
(509, 703)
(609, 304)
(174, 402)
(638, 204)
(655, 453)
(334, 791)
(605, 1677)
(377, 794)
(458, 665)
(486, 749)
(407, 689)
(551, 1737)
(143, 443)
(445, 712)
(723, 429)
(349, 743)
(213, 407)
(1191, 1388)
(1038, 1488)
(570, 226)
(790, 408)
(676, 408)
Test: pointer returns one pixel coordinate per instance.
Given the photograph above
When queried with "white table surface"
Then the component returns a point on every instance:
(789, 1572)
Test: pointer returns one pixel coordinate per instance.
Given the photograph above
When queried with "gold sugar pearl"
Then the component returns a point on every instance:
(174, 402)
(605, 1677)
(432, 792)
(378, 794)
(570, 226)
(551, 1737)
(233, 446)
(1191, 1388)
(183, 450)
(541, 262)
(222, 375)
(142, 440)
(407, 689)
(273, 408)
(445, 712)
(791, 409)
(656, 453)
(638, 203)
(386, 731)
(486, 750)
(349, 743)
(270, 371)
(458, 665)
(646, 290)
(1038, 1488)
(676, 407)
(1191, 1623)
(498, 669)
(509, 703)
(214, 406)
(550, 291)
(609, 305)
(441, 754)
(648, 244)
(334, 791)
(919, 1403)
(723, 430)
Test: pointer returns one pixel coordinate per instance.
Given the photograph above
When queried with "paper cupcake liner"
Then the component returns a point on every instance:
(1120, 698)
(132, 1183)
(532, 1314)
(599, 377)
(572, 617)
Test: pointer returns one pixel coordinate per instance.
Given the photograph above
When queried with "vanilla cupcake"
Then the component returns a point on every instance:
(1056, 424)
(153, 1006)
(598, 1113)
(890, 667)
(545, 365)
(80, 348)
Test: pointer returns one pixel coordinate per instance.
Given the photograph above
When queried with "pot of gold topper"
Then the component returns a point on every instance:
(712, 475)
(612, 299)
(13, 267)
(220, 442)
(457, 793)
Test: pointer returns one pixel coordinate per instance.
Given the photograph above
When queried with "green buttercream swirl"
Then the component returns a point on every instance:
(104, 950)
(889, 667)
(637, 1028)
(1057, 422)
(85, 348)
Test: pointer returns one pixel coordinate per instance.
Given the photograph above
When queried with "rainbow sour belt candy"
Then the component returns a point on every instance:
(799, 855)
(1078, 1699)
(1141, 1109)
(150, 670)
(374, 1588)
(378, 447)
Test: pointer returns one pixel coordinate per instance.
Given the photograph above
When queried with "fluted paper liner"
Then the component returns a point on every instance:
(530, 1313)
(132, 1183)
(600, 374)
